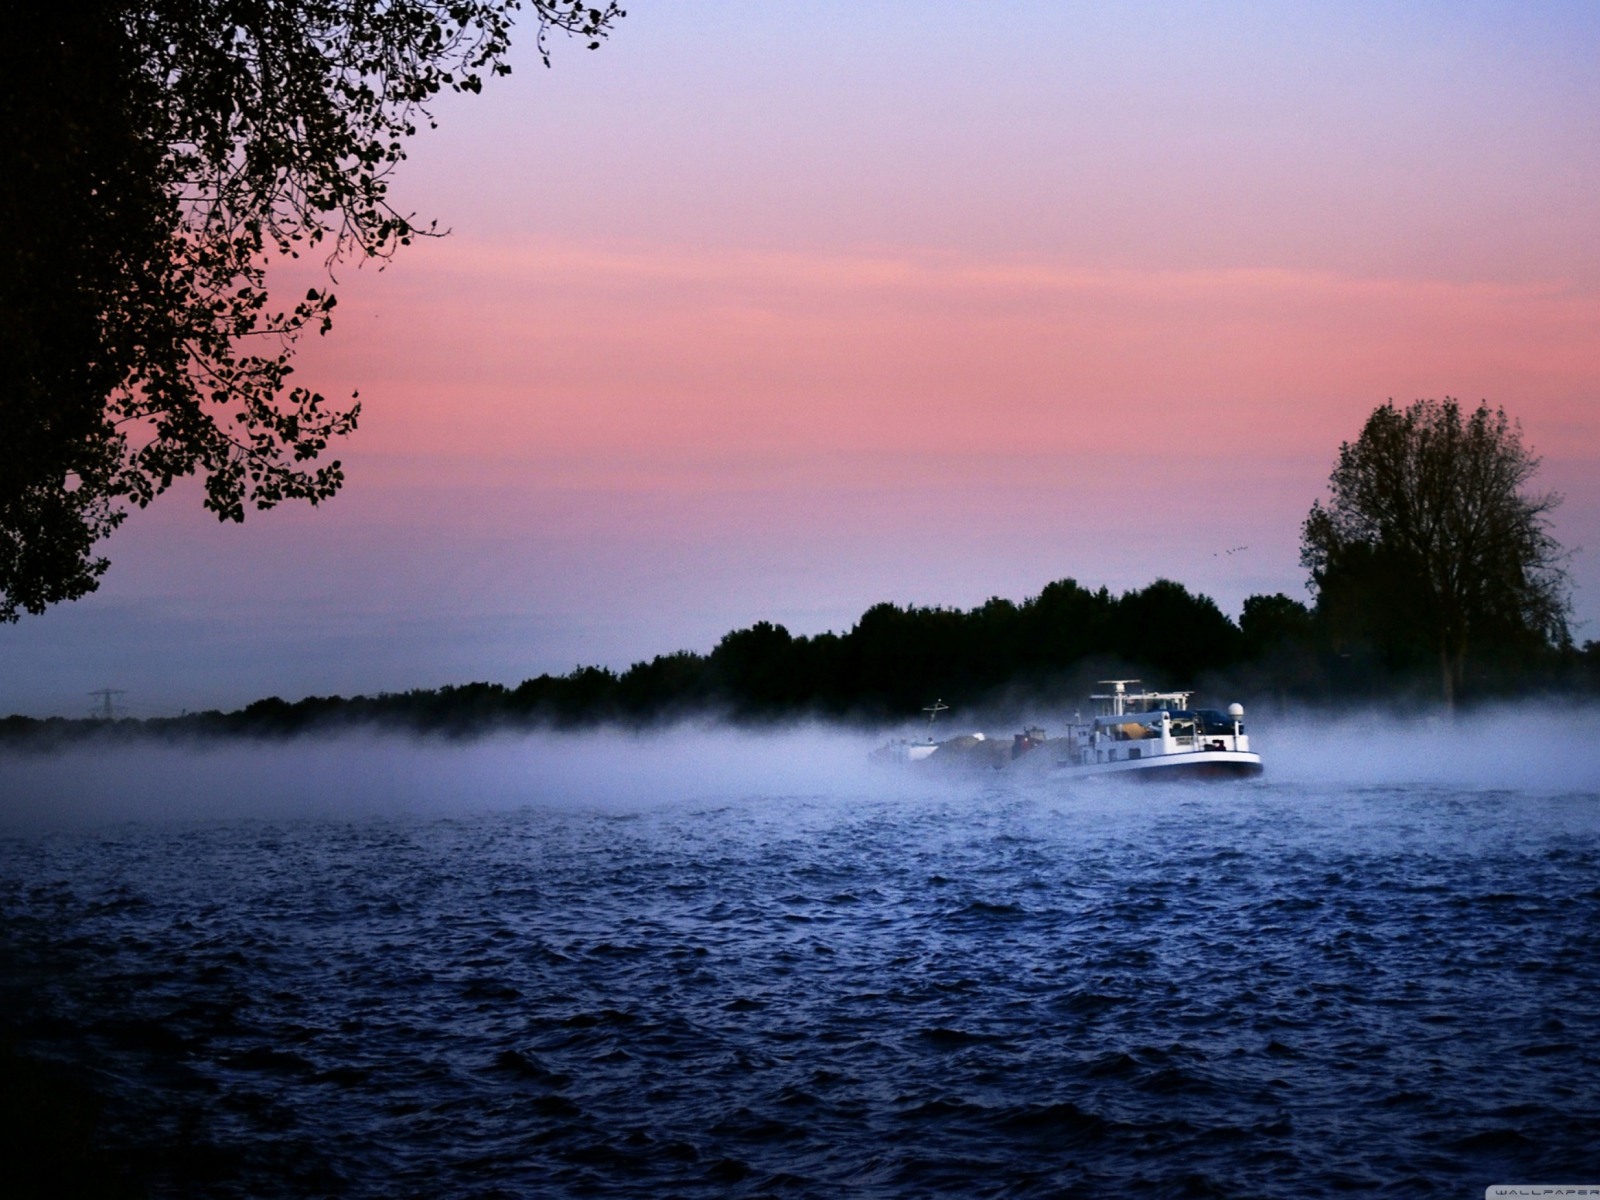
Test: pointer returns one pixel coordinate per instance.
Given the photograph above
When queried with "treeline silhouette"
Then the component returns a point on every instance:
(1001, 656)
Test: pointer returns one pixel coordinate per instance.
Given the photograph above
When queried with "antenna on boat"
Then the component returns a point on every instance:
(933, 710)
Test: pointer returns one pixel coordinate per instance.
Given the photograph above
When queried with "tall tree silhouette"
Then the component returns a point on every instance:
(158, 155)
(1431, 545)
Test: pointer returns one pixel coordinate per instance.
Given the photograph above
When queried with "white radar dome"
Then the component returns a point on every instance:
(1236, 711)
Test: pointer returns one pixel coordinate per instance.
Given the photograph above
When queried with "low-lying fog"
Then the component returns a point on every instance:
(1540, 749)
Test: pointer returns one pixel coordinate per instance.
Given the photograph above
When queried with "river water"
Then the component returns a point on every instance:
(627, 969)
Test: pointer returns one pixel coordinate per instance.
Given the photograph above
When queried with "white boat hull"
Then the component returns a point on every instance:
(1195, 764)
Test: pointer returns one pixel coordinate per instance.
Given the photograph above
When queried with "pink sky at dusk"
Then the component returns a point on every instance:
(531, 351)
(776, 312)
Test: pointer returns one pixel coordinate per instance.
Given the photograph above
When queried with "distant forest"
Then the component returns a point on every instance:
(1001, 658)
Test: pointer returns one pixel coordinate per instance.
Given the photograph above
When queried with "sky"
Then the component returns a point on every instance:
(777, 311)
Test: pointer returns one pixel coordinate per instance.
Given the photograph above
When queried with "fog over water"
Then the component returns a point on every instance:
(350, 774)
(1535, 748)
(706, 962)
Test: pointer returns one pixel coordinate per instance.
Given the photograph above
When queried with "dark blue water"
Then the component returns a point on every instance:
(1268, 990)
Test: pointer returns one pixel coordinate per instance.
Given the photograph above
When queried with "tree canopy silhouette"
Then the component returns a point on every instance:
(1431, 546)
(159, 154)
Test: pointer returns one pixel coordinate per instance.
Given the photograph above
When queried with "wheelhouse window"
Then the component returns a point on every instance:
(1206, 722)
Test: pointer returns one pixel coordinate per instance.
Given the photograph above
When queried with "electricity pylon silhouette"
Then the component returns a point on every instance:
(106, 710)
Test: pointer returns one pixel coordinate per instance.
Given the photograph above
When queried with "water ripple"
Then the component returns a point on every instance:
(1253, 991)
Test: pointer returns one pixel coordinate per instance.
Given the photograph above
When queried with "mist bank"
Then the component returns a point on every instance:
(792, 773)
(1002, 660)
(359, 774)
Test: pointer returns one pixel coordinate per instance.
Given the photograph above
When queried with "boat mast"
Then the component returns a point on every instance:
(1118, 696)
